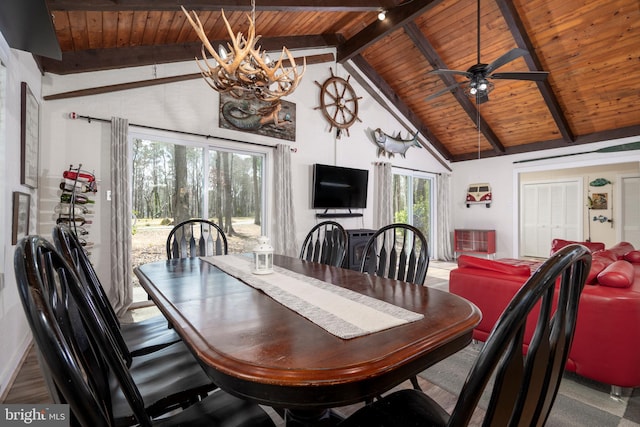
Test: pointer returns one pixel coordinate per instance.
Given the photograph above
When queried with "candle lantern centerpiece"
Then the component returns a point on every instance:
(263, 256)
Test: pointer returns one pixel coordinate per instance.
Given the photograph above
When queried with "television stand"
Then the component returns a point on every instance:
(349, 214)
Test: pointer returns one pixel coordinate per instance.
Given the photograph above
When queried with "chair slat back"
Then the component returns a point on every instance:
(525, 386)
(397, 251)
(76, 352)
(68, 245)
(196, 237)
(326, 243)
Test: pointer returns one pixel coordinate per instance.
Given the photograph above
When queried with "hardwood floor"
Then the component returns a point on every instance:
(29, 385)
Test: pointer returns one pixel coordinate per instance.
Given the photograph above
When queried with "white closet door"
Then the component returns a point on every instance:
(549, 210)
(631, 210)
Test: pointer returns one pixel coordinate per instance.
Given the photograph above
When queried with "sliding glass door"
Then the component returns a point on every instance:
(177, 180)
(413, 200)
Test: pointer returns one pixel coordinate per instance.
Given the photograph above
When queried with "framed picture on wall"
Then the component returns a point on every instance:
(599, 201)
(29, 137)
(20, 227)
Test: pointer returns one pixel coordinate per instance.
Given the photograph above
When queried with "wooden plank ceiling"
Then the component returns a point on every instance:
(591, 50)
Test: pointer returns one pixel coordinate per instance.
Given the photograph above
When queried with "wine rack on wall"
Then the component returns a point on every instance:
(76, 206)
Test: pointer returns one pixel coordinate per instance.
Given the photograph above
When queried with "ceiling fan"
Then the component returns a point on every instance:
(479, 75)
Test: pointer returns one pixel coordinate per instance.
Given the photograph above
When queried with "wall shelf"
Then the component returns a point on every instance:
(338, 215)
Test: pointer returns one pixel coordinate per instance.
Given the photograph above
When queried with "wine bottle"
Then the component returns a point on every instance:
(69, 185)
(77, 186)
(79, 199)
(67, 209)
(79, 220)
(80, 230)
(80, 176)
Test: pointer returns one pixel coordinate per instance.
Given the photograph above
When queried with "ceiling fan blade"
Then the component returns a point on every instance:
(444, 71)
(506, 58)
(442, 91)
(536, 76)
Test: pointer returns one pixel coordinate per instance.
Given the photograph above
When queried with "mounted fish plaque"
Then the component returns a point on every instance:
(249, 114)
(599, 182)
(392, 145)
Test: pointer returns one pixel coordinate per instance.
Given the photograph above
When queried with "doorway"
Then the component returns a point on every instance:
(630, 214)
(549, 210)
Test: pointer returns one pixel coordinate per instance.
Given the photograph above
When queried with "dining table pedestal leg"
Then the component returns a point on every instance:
(311, 418)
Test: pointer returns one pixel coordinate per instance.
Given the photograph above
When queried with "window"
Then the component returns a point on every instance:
(413, 200)
(177, 180)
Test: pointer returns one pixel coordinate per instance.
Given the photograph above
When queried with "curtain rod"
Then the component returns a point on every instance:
(410, 169)
(182, 132)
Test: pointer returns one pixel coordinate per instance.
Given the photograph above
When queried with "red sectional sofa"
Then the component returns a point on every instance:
(606, 345)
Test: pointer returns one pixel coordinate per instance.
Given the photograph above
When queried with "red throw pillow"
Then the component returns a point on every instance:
(599, 261)
(557, 244)
(633, 257)
(487, 264)
(621, 248)
(617, 275)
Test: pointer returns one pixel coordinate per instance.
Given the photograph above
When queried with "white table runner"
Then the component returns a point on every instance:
(342, 312)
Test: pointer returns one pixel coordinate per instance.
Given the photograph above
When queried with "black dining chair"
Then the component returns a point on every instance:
(326, 243)
(526, 380)
(397, 251)
(78, 352)
(140, 337)
(168, 378)
(196, 237)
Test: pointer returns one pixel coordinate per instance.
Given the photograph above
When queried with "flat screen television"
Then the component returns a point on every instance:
(336, 187)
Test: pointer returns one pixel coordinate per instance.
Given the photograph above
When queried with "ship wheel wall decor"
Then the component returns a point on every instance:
(339, 103)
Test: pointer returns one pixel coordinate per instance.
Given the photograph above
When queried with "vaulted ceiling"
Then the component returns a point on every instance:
(591, 50)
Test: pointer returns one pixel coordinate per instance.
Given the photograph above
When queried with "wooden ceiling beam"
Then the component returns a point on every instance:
(396, 18)
(122, 57)
(523, 41)
(229, 5)
(469, 107)
(312, 59)
(383, 87)
(607, 135)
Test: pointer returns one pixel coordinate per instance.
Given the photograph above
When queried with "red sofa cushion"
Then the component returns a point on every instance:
(487, 264)
(621, 248)
(557, 244)
(617, 275)
(633, 257)
(599, 261)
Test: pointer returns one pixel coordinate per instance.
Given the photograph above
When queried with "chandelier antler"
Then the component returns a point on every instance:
(245, 67)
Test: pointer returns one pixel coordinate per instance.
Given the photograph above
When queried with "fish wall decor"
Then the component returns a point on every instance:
(392, 145)
(599, 182)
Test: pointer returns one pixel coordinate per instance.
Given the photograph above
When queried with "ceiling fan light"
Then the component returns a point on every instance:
(473, 91)
(482, 85)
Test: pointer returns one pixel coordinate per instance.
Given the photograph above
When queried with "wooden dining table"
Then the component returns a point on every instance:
(256, 348)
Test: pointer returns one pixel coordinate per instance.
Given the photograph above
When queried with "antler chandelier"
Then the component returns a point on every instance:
(243, 67)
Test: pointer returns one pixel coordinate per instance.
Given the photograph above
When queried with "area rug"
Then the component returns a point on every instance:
(580, 402)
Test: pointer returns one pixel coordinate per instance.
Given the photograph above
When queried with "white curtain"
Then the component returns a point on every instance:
(445, 250)
(284, 229)
(120, 217)
(382, 195)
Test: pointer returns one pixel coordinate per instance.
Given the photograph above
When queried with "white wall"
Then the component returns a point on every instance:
(15, 331)
(193, 107)
(503, 175)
